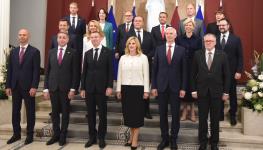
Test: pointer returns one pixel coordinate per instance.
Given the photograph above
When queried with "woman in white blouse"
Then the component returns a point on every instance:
(93, 26)
(133, 87)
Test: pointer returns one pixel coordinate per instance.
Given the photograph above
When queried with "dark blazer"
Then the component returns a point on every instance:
(26, 74)
(157, 35)
(121, 38)
(97, 77)
(213, 28)
(63, 77)
(216, 80)
(78, 32)
(234, 51)
(174, 75)
(147, 44)
(71, 42)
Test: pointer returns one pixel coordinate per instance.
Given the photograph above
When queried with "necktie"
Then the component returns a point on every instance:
(223, 41)
(209, 60)
(127, 27)
(162, 32)
(95, 59)
(169, 53)
(21, 54)
(60, 56)
(73, 23)
(139, 36)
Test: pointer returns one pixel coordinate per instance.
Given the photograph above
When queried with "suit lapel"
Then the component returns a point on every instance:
(65, 57)
(163, 54)
(203, 59)
(215, 60)
(101, 54)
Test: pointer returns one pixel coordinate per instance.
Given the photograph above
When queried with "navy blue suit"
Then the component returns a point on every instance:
(21, 78)
(169, 79)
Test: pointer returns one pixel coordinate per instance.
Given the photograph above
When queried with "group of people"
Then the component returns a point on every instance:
(192, 67)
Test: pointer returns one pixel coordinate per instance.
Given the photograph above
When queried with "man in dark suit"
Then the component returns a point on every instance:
(210, 85)
(147, 46)
(60, 85)
(63, 26)
(213, 27)
(158, 32)
(122, 32)
(232, 46)
(22, 82)
(168, 83)
(96, 86)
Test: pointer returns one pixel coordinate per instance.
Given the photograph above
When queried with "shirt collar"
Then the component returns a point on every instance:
(226, 34)
(173, 44)
(141, 30)
(25, 46)
(99, 47)
(212, 51)
(64, 47)
(76, 16)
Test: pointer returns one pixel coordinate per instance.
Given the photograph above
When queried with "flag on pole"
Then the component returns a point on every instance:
(175, 19)
(200, 16)
(111, 19)
(134, 9)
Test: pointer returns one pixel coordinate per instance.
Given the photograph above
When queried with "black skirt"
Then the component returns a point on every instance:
(132, 105)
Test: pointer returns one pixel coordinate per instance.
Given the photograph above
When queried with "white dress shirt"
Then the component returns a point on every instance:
(87, 45)
(207, 55)
(25, 46)
(63, 51)
(141, 33)
(226, 36)
(172, 49)
(133, 70)
(76, 20)
(99, 50)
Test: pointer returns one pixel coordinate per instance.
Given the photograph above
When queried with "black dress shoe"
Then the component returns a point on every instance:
(127, 144)
(214, 147)
(62, 141)
(91, 142)
(233, 121)
(163, 144)
(102, 143)
(221, 118)
(174, 146)
(202, 147)
(148, 115)
(13, 139)
(52, 140)
(29, 139)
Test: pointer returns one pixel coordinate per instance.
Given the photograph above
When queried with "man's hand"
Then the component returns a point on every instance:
(108, 91)
(182, 94)
(154, 92)
(46, 95)
(8, 91)
(117, 55)
(83, 94)
(145, 95)
(71, 95)
(118, 95)
(194, 95)
(237, 76)
(32, 92)
(225, 97)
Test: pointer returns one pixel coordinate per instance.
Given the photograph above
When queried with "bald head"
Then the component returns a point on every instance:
(23, 36)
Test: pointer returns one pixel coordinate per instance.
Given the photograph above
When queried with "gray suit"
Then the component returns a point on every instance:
(199, 27)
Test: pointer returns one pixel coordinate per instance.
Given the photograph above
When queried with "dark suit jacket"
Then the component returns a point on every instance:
(97, 77)
(173, 75)
(157, 36)
(147, 44)
(62, 77)
(78, 32)
(26, 74)
(121, 38)
(71, 42)
(212, 28)
(234, 51)
(216, 80)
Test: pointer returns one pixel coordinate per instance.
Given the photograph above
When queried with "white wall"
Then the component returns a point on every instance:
(29, 14)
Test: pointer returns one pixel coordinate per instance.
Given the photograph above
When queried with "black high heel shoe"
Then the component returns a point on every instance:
(133, 148)
(127, 144)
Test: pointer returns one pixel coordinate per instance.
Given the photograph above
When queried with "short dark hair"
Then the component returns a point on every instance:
(64, 20)
(225, 19)
(63, 33)
(163, 13)
(106, 13)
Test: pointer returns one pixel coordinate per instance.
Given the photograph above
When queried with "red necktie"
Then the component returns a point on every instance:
(162, 31)
(60, 57)
(169, 53)
(21, 54)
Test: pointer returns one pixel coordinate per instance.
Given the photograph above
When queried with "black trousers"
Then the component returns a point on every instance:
(206, 104)
(60, 103)
(232, 100)
(163, 99)
(17, 95)
(99, 100)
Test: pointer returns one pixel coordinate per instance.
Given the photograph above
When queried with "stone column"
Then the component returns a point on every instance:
(4, 28)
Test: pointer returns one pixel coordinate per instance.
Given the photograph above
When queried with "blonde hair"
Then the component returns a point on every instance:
(189, 20)
(138, 46)
(97, 24)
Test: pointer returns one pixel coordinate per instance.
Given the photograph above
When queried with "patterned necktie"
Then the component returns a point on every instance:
(127, 27)
(139, 36)
(73, 23)
(209, 60)
(169, 54)
(95, 59)
(60, 56)
(21, 55)
(162, 32)
(223, 41)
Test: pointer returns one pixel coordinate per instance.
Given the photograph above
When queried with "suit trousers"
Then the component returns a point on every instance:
(232, 99)
(163, 99)
(99, 100)
(17, 95)
(206, 104)
(60, 103)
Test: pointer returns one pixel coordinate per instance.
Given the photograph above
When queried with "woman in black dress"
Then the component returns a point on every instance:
(133, 87)
(191, 43)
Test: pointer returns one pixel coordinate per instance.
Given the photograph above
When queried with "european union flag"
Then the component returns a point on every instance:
(200, 16)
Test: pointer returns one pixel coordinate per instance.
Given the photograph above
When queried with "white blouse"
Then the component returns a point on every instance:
(133, 70)
(87, 45)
